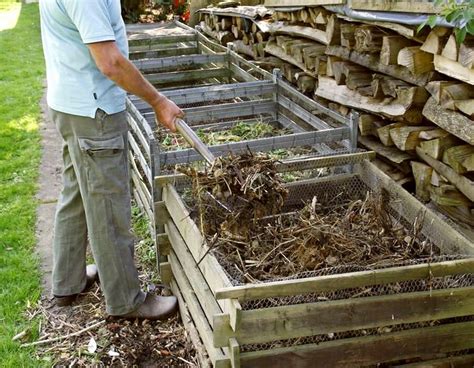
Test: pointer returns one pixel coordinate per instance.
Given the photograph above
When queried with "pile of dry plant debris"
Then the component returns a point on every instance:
(239, 203)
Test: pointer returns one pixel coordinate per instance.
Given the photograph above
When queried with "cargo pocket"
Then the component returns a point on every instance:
(106, 166)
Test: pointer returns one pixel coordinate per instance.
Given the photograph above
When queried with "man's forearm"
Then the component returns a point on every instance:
(127, 76)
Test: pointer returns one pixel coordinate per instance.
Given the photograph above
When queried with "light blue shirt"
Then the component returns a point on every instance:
(75, 84)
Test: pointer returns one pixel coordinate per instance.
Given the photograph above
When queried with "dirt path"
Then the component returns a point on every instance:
(49, 186)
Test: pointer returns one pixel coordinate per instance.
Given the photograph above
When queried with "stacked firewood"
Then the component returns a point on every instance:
(300, 38)
(413, 91)
(244, 26)
(445, 173)
(414, 94)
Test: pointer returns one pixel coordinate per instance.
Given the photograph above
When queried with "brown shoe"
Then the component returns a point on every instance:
(154, 308)
(92, 275)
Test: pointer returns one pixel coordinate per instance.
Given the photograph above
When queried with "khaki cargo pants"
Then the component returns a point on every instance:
(94, 205)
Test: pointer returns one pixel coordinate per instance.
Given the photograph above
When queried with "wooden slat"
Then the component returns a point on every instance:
(261, 145)
(240, 61)
(175, 51)
(132, 150)
(234, 350)
(289, 124)
(211, 46)
(187, 75)
(190, 327)
(155, 47)
(143, 124)
(224, 125)
(365, 351)
(307, 163)
(336, 179)
(138, 200)
(161, 213)
(212, 93)
(286, 322)
(160, 40)
(146, 65)
(228, 110)
(166, 274)
(346, 280)
(200, 287)
(240, 74)
(205, 331)
(138, 155)
(221, 92)
(192, 236)
(465, 361)
(303, 114)
(137, 133)
(205, 49)
(141, 180)
(141, 187)
(164, 244)
(145, 206)
(292, 164)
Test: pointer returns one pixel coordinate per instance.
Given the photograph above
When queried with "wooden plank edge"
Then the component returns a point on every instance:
(205, 331)
(309, 319)
(346, 280)
(373, 349)
(190, 327)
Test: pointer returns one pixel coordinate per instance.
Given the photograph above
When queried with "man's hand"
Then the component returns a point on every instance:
(116, 67)
(167, 112)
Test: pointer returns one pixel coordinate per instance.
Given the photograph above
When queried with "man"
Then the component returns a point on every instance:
(85, 48)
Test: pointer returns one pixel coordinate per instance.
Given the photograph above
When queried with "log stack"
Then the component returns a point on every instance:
(421, 108)
(413, 92)
(245, 26)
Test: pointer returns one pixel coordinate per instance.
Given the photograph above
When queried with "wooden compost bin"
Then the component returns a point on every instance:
(172, 56)
(184, 57)
(219, 106)
(234, 332)
(171, 39)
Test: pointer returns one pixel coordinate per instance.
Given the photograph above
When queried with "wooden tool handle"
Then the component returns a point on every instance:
(194, 140)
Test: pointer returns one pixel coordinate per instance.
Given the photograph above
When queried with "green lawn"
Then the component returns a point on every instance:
(21, 77)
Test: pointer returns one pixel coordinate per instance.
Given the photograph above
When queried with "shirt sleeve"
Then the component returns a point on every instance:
(91, 18)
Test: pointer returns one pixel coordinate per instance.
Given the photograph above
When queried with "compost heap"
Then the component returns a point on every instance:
(235, 201)
(235, 192)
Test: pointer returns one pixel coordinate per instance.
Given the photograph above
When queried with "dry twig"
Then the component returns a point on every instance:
(64, 337)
